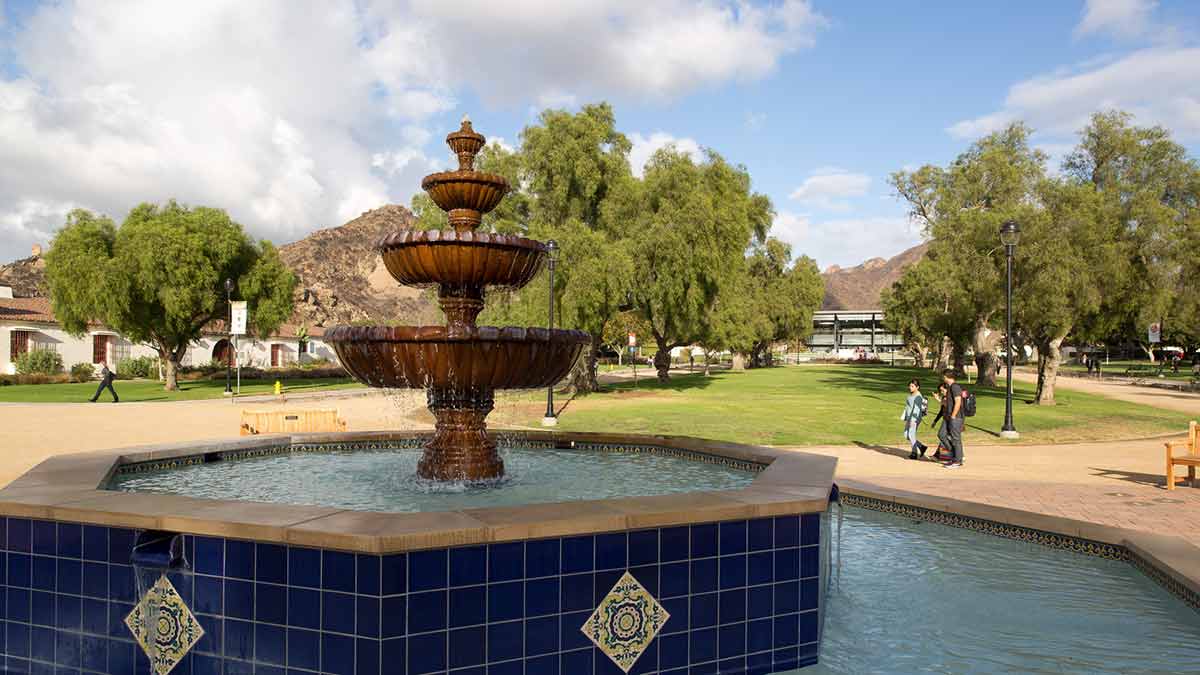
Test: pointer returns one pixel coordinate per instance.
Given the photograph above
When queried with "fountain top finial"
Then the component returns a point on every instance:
(465, 143)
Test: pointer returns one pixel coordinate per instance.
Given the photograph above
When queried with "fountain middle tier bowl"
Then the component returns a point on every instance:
(426, 257)
(473, 190)
(477, 359)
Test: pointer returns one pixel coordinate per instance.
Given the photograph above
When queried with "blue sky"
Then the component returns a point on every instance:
(295, 117)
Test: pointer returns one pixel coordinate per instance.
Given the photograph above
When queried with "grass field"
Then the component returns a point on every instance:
(819, 405)
(152, 390)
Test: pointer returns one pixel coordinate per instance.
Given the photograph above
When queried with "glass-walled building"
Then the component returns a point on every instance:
(841, 330)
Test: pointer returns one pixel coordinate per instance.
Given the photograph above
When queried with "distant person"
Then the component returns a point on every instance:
(1096, 360)
(955, 418)
(915, 407)
(106, 382)
(1090, 365)
(1196, 362)
(942, 454)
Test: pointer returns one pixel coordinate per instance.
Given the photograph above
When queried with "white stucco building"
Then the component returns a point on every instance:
(27, 324)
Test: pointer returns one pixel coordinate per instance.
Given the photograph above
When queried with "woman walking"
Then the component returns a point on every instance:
(915, 408)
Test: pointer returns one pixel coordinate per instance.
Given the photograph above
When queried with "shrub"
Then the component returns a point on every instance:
(142, 366)
(82, 372)
(35, 378)
(40, 362)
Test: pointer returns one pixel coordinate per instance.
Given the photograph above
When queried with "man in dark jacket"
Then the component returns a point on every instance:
(106, 379)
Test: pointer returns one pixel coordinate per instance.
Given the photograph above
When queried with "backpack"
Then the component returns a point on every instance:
(968, 407)
(923, 409)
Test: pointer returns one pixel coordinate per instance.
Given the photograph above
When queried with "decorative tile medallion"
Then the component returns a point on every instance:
(175, 631)
(626, 622)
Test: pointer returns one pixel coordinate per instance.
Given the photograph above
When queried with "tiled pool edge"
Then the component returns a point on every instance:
(1171, 562)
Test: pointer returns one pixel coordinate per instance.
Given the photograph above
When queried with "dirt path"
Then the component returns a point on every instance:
(1181, 401)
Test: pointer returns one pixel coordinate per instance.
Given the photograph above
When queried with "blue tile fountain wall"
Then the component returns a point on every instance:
(742, 597)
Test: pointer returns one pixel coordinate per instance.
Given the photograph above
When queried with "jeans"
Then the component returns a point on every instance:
(954, 444)
(910, 434)
(105, 384)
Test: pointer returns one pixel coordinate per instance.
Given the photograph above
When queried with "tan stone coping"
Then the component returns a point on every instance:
(70, 488)
(1175, 557)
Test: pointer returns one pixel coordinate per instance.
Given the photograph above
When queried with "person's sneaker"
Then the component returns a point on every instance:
(954, 465)
(912, 455)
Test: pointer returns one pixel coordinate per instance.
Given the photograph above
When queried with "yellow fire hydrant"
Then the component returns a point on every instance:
(278, 388)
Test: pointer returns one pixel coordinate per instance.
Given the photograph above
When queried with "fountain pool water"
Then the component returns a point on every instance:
(386, 480)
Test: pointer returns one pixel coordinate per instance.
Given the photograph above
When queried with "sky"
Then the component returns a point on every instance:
(295, 115)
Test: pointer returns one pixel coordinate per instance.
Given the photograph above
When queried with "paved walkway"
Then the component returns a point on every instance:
(1117, 483)
(1112, 483)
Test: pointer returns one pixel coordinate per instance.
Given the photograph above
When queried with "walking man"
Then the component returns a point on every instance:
(106, 379)
(956, 419)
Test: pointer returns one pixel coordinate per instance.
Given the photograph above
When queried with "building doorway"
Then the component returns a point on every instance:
(224, 353)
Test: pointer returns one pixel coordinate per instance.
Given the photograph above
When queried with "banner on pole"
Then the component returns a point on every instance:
(238, 320)
(1155, 333)
(633, 339)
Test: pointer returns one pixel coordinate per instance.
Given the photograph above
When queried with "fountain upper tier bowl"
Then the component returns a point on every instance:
(427, 257)
(475, 359)
(465, 194)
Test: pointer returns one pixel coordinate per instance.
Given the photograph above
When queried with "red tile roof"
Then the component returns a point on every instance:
(31, 310)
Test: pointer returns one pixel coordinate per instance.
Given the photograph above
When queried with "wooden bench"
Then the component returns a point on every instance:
(1191, 459)
(290, 422)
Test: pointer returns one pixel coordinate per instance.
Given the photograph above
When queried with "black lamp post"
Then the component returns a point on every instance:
(552, 257)
(1010, 234)
(229, 343)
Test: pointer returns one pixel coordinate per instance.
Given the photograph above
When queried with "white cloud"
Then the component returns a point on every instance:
(1159, 85)
(644, 148)
(294, 119)
(1121, 18)
(845, 241)
(829, 187)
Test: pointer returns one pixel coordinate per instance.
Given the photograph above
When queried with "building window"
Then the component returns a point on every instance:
(276, 356)
(100, 348)
(18, 344)
(121, 350)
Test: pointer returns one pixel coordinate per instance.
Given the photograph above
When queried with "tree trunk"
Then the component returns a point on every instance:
(172, 374)
(983, 342)
(739, 362)
(945, 349)
(918, 352)
(1149, 349)
(958, 356)
(1050, 359)
(662, 359)
(707, 363)
(583, 378)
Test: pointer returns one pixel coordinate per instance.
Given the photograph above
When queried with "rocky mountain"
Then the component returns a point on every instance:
(341, 279)
(25, 276)
(859, 287)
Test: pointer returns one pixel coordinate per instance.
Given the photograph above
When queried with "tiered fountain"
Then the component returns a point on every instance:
(461, 364)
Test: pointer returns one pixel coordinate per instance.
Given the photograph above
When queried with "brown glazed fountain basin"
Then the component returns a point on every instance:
(478, 359)
(470, 190)
(428, 257)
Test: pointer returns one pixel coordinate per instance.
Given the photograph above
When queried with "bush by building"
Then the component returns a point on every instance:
(39, 362)
(143, 367)
(82, 372)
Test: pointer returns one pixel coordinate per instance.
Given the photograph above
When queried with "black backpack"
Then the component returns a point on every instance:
(968, 407)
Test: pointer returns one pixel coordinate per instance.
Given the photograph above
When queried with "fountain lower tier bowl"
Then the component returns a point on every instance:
(462, 259)
(471, 361)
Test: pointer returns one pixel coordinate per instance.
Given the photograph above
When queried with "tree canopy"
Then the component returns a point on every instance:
(159, 278)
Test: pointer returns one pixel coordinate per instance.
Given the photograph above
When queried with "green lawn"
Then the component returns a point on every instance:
(152, 390)
(817, 405)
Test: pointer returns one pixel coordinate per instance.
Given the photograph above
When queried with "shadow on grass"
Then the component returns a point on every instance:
(883, 449)
(676, 383)
(894, 381)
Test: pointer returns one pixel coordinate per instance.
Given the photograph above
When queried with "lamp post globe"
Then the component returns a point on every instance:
(550, 419)
(1010, 234)
(229, 342)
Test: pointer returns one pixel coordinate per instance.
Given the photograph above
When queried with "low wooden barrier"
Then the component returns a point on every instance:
(290, 421)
